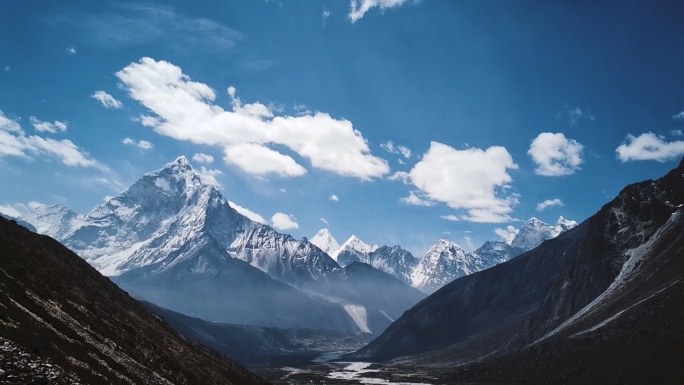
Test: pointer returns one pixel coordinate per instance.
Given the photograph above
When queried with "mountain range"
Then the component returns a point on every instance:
(445, 260)
(596, 304)
(174, 240)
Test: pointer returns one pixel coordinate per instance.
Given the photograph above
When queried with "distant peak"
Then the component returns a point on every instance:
(323, 232)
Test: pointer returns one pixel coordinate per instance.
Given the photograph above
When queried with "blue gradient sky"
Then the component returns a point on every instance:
(446, 80)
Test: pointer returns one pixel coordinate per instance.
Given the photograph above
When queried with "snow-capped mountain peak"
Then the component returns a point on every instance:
(565, 224)
(325, 241)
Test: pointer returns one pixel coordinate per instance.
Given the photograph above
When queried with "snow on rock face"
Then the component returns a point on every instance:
(353, 250)
(326, 242)
(394, 261)
(53, 220)
(444, 262)
(534, 232)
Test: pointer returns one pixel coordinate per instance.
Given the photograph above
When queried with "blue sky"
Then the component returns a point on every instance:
(399, 121)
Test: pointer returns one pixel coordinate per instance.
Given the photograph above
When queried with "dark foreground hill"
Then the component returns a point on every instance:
(60, 310)
(598, 304)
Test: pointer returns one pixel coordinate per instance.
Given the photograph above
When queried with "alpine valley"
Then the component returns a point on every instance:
(553, 294)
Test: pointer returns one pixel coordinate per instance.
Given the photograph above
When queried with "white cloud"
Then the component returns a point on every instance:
(143, 144)
(55, 127)
(15, 142)
(679, 116)
(248, 213)
(451, 217)
(472, 180)
(334, 198)
(555, 155)
(33, 204)
(185, 111)
(106, 99)
(648, 146)
(209, 176)
(549, 203)
(676, 132)
(405, 151)
(325, 15)
(508, 234)
(413, 199)
(360, 7)
(284, 222)
(12, 210)
(324, 221)
(71, 50)
(7, 68)
(203, 158)
(392, 149)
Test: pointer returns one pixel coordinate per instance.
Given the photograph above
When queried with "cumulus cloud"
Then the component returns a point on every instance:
(508, 234)
(247, 133)
(555, 155)
(473, 181)
(106, 99)
(360, 7)
(676, 133)
(71, 50)
(55, 127)
(549, 203)
(679, 116)
(143, 144)
(334, 198)
(203, 158)
(649, 146)
(284, 222)
(392, 149)
(248, 213)
(15, 142)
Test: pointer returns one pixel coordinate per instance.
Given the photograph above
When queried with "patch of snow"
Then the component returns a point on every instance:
(358, 314)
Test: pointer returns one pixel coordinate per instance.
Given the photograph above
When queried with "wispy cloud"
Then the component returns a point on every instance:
(325, 16)
(334, 198)
(128, 24)
(106, 99)
(649, 146)
(549, 203)
(15, 142)
(248, 213)
(71, 50)
(360, 7)
(679, 116)
(143, 144)
(390, 147)
(53, 128)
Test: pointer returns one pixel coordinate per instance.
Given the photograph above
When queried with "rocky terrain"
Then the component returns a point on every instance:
(55, 306)
(597, 304)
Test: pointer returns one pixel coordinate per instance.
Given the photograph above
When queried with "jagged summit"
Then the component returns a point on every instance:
(325, 241)
(353, 250)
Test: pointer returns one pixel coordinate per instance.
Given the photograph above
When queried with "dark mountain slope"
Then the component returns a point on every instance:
(508, 307)
(57, 306)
